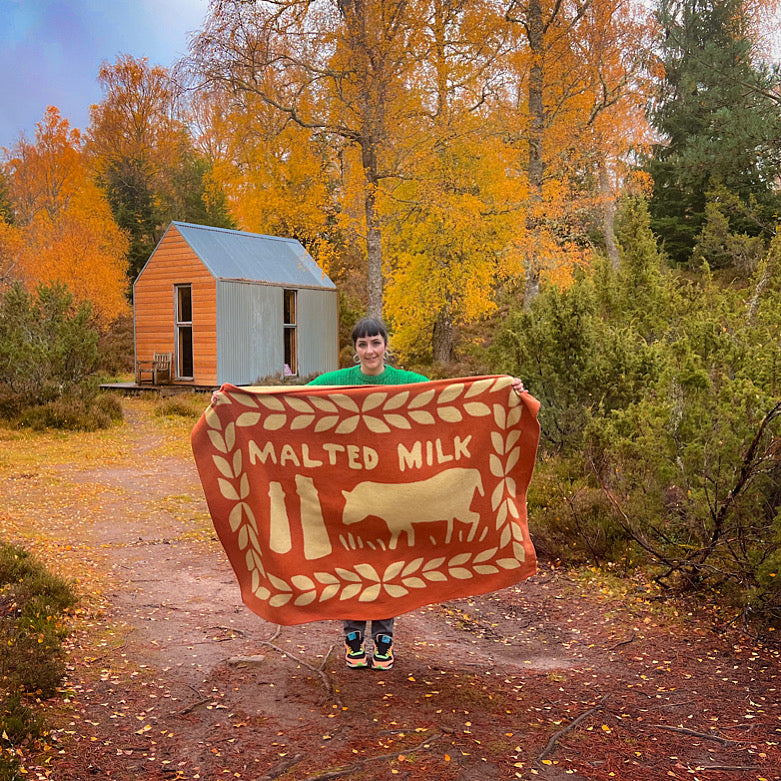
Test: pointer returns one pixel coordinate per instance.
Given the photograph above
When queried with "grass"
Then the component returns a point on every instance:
(33, 603)
(189, 406)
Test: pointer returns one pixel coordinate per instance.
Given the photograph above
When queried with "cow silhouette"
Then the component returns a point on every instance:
(446, 496)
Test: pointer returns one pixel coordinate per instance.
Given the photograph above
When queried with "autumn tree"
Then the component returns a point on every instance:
(63, 228)
(448, 244)
(6, 206)
(11, 244)
(718, 110)
(274, 174)
(141, 150)
(619, 73)
(576, 81)
(335, 68)
(448, 222)
(10, 238)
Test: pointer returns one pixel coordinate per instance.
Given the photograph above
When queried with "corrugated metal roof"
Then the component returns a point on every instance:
(230, 254)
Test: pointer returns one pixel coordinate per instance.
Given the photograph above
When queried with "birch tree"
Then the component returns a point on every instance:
(334, 67)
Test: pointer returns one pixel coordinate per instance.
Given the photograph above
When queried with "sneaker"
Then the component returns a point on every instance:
(354, 651)
(383, 652)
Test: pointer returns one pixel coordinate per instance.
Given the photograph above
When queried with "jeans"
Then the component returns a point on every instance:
(382, 626)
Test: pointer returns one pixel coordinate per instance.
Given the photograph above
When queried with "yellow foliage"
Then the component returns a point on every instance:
(137, 119)
(446, 247)
(273, 174)
(414, 126)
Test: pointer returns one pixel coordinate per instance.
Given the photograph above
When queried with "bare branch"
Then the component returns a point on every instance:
(554, 739)
(703, 735)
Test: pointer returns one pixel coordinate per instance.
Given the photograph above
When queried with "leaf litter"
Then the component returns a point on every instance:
(564, 676)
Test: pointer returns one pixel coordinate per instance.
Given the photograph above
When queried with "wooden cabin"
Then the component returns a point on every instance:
(230, 306)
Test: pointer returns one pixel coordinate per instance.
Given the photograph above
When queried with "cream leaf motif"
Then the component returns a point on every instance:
(372, 401)
(244, 399)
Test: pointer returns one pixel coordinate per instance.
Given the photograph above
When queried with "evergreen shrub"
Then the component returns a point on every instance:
(32, 604)
(661, 421)
(48, 357)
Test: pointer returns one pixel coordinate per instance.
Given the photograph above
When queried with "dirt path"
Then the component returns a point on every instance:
(174, 679)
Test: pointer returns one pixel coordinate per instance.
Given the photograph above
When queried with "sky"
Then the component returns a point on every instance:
(50, 52)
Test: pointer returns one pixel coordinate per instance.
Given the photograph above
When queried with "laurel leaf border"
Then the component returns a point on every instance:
(363, 581)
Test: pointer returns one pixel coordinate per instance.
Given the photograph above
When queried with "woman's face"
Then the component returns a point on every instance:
(371, 351)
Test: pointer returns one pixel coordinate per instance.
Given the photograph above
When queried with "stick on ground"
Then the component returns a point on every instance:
(556, 736)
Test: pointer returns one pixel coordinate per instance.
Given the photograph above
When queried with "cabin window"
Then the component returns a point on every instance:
(290, 333)
(184, 331)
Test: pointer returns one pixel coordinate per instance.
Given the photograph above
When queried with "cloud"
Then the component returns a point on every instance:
(50, 52)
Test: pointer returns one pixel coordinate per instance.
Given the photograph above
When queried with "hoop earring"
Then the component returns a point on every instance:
(356, 358)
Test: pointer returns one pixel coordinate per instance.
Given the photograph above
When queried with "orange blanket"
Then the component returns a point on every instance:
(367, 502)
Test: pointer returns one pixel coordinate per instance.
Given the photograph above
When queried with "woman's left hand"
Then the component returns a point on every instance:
(518, 386)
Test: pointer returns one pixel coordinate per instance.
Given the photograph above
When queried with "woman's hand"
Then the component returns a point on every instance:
(215, 398)
(518, 386)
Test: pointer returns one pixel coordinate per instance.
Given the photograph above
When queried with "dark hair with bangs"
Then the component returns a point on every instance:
(369, 326)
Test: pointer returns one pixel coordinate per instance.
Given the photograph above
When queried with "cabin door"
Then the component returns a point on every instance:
(184, 332)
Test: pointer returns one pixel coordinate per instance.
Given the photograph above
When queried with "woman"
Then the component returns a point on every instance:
(370, 340)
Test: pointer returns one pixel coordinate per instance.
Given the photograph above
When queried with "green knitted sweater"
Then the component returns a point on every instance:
(354, 376)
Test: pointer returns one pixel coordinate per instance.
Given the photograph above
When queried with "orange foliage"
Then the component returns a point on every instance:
(137, 119)
(594, 80)
(411, 128)
(11, 245)
(65, 229)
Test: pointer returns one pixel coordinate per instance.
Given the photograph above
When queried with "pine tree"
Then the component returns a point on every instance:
(720, 117)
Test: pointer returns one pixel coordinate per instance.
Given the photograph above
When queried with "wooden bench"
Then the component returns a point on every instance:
(158, 370)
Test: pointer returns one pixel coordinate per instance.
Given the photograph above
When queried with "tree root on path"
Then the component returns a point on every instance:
(556, 736)
(727, 768)
(193, 706)
(360, 764)
(319, 671)
(281, 768)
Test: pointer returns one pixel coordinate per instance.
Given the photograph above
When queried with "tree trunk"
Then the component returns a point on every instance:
(768, 268)
(442, 337)
(608, 215)
(532, 283)
(374, 282)
(535, 36)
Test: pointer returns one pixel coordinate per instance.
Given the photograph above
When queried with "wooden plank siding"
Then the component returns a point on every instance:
(174, 263)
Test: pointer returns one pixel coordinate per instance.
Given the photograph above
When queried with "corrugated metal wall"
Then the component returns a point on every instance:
(318, 332)
(250, 344)
(249, 332)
